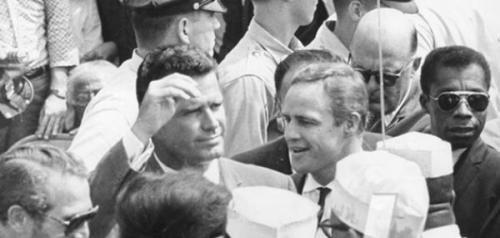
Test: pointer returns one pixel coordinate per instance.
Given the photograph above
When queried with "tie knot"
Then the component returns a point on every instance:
(323, 192)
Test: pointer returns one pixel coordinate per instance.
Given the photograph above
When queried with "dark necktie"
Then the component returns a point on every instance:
(323, 192)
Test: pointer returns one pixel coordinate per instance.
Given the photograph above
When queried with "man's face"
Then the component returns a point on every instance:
(314, 141)
(461, 125)
(195, 133)
(367, 60)
(70, 196)
(202, 31)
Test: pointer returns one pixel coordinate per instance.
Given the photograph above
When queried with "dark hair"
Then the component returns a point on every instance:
(24, 171)
(343, 85)
(178, 205)
(184, 59)
(299, 57)
(458, 57)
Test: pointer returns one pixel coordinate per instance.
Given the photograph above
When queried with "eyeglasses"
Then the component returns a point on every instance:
(390, 79)
(447, 101)
(76, 221)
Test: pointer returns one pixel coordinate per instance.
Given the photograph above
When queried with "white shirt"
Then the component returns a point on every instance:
(109, 115)
(326, 40)
(86, 25)
(311, 192)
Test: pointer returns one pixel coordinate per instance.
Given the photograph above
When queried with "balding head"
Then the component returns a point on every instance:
(399, 42)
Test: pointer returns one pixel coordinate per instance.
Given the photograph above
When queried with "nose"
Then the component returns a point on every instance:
(372, 84)
(210, 122)
(463, 109)
(291, 131)
(216, 22)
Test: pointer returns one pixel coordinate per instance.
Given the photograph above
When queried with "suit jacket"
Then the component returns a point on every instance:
(113, 172)
(274, 155)
(477, 186)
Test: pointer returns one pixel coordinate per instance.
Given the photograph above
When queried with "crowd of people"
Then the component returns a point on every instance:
(249, 118)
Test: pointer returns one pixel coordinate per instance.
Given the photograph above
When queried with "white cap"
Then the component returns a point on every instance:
(449, 231)
(432, 154)
(266, 212)
(362, 176)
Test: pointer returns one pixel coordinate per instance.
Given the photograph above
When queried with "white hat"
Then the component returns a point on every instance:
(270, 212)
(432, 154)
(363, 176)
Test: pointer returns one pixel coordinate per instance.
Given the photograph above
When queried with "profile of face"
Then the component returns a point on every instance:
(462, 124)
(194, 135)
(201, 32)
(70, 196)
(398, 72)
(315, 143)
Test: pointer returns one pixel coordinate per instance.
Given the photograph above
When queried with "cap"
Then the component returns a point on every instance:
(406, 6)
(361, 177)
(266, 212)
(432, 154)
(167, 7)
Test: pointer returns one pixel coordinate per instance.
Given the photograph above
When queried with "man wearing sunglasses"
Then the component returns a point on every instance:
(44, 193)
(399, 43)
(455, 81)
(156, 23)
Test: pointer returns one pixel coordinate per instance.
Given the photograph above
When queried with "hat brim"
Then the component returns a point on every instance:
(214, 6)
(409, 7)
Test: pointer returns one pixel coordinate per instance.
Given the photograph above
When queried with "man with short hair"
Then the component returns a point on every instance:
(246, 74)
(399, 64)
(113, 111)
(455, 81)
(185, 120)
(325, 111)
(43, 193)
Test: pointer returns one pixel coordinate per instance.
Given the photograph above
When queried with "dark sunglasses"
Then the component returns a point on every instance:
(448, 101)
(76, 221)
(390, 79)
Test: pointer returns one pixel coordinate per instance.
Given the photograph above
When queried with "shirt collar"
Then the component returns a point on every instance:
(212, 173)
(272, 45)
(331, 41)
(457, 153)
(310, 185)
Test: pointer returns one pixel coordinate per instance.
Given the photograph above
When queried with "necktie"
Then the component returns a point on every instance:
(323, 192)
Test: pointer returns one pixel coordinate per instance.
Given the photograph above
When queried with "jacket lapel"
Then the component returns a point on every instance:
(468, 166)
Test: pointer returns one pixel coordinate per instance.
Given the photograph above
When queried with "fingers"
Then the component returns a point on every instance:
(42, 124)
(175, 81)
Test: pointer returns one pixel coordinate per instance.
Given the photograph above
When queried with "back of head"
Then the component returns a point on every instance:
(344, 87)
(182, 204)
(457, 57)
(24, 172)
(398, 35)
(163, 61)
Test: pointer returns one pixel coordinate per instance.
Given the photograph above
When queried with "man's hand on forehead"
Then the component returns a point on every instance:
(160, 103)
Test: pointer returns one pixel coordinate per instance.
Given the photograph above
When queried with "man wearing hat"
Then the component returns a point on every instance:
(246, 74)
(185, 120)
(113, 111)
(455, 81)
(325, 111)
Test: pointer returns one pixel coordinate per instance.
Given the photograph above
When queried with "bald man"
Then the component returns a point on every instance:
(400, 89)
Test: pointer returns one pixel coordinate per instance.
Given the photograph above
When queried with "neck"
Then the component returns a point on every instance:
(344, 30)
(327, 174)
(142, 52)
(179, 162)
(280, 28)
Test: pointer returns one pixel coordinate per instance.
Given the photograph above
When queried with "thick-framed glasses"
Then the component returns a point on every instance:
(76, 221)
(447, 101)
(390, 79)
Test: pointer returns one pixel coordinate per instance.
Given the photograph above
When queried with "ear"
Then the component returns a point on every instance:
(355, 10)
(18, 219)
(424, 100)
(352, 124)
(183, 29)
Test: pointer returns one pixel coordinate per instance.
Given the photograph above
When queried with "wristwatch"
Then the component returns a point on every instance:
(58, 94)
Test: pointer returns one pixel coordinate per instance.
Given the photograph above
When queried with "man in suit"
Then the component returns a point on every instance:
(185, 119)
(274, 155)
(325, 112)
(399, 65)
(455, 81)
